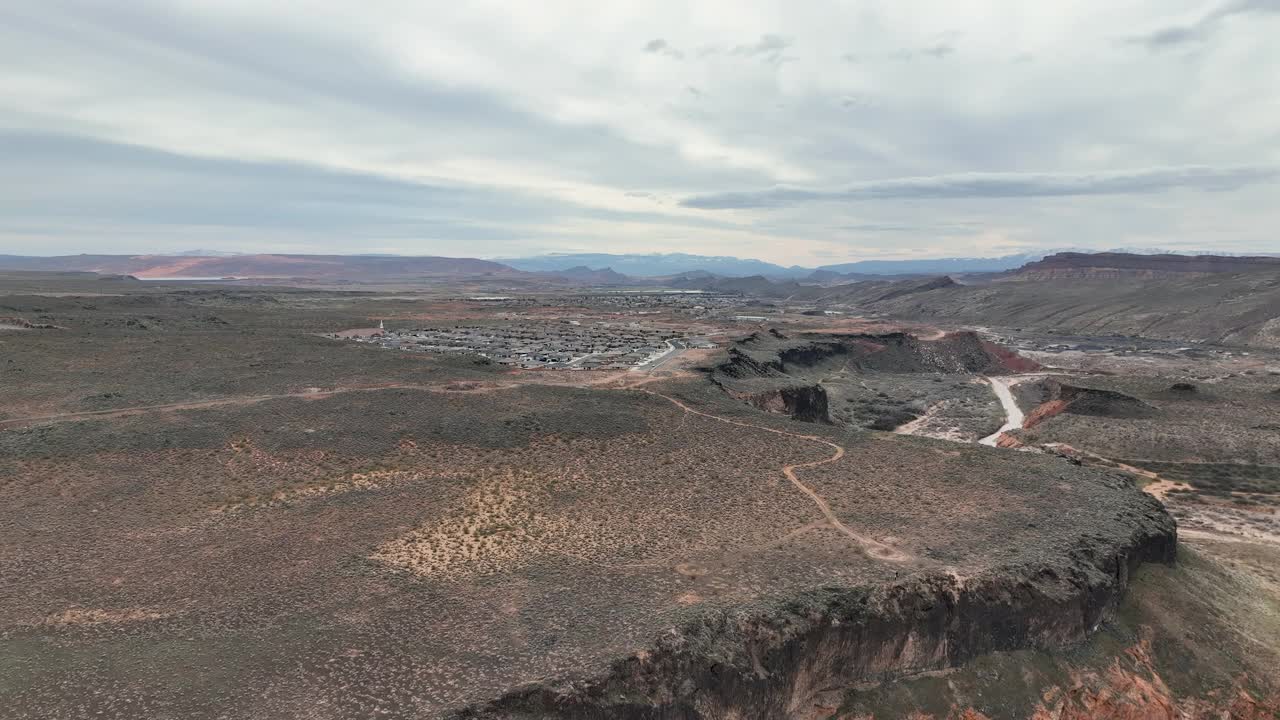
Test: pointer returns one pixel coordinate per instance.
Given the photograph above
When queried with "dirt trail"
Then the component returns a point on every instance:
(621, 380)
(1159, 487)
(1156, 486)
(1013, 414)
(872, 547)
(910, 428)
(309, 394)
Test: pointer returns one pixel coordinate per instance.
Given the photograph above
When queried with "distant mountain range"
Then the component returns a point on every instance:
(674, 269)
(667, 264)
(655, 265)
(672, 264)
(939, 266)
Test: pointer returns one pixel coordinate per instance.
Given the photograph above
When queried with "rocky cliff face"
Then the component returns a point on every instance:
(806, 403)
(773, 663)
(1057, 397)
(764, 355)
(784, 375)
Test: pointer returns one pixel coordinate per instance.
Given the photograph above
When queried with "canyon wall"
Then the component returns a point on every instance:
(774, 663)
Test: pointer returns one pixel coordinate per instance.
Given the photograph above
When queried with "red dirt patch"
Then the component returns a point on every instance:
(1010, 359)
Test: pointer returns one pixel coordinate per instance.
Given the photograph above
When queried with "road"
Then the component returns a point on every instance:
(660, 360)
(1013, 414)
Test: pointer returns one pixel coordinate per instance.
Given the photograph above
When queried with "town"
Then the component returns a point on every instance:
(686, 302)
(564, 345)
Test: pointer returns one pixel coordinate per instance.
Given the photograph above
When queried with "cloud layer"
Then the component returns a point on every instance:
(1205, 26)
(999, 185)
(791, 132)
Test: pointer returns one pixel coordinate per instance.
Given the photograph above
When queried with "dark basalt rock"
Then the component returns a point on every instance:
(1094, 402)
(807, 403)
(769, 663)
(773, 355)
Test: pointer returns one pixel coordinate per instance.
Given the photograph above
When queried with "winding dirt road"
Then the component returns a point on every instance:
(1013, 414)
(873, 548)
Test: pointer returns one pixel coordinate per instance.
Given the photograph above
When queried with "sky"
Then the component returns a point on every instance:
(795, 132)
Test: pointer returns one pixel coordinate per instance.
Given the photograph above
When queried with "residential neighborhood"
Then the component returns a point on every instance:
(564, 344)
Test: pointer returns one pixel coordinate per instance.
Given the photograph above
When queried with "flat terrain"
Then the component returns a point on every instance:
(210, 510)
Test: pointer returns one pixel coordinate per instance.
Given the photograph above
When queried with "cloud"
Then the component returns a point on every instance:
(933, 229)
(998, 185)
(768, 48)
(1203, 28)
(168, 197)
(940, 50)
(115, 183)
(935, 52)
(661, 47)
(476, 126)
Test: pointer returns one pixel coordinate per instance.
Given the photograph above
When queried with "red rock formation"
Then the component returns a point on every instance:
(1011, 360)
(1101, 266)
(1130, 688)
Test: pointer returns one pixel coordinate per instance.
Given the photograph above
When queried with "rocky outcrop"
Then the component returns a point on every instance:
(806, 403)
(1058, 397)
(773, 663)
(781, 374)
(953, 353)
(1129, 687)
(762, 355)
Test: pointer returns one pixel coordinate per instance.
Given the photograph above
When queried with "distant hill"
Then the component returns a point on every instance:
(1231, 300)
(824, 276)
(354, 268)
(584, 274)
(831, 277)
(1232, 308)
(753, 285)
(937, 266)
(208, 253)
(1114, 265)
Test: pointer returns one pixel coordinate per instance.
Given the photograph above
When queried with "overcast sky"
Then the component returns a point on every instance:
(796, 132)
